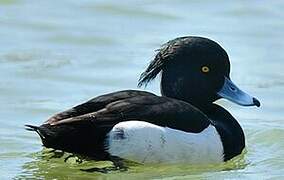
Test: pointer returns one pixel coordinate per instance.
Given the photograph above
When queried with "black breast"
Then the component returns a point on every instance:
(231, 133)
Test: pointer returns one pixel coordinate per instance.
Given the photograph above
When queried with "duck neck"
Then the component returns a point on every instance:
(229, 129)
(205, 107)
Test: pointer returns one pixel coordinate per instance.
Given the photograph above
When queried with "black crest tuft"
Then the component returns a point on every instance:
(166, 53)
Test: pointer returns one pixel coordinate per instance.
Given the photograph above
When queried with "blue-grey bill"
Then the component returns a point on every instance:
(231, 92)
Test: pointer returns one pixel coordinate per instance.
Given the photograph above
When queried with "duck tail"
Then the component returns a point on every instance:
(29, 127)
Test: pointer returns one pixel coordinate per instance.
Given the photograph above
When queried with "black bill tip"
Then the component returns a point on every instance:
(256, 102)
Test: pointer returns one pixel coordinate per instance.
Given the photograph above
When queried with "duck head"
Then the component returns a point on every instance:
(195, 70)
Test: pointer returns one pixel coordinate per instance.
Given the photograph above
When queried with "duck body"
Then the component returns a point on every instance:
(182, 125)
(91, 128)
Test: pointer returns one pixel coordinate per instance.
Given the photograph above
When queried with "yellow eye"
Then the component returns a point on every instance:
(205, 69)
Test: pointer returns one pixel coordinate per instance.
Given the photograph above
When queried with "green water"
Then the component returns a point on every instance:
(55, 54)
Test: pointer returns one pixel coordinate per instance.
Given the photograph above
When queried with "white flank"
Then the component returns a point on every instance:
(144, 142)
